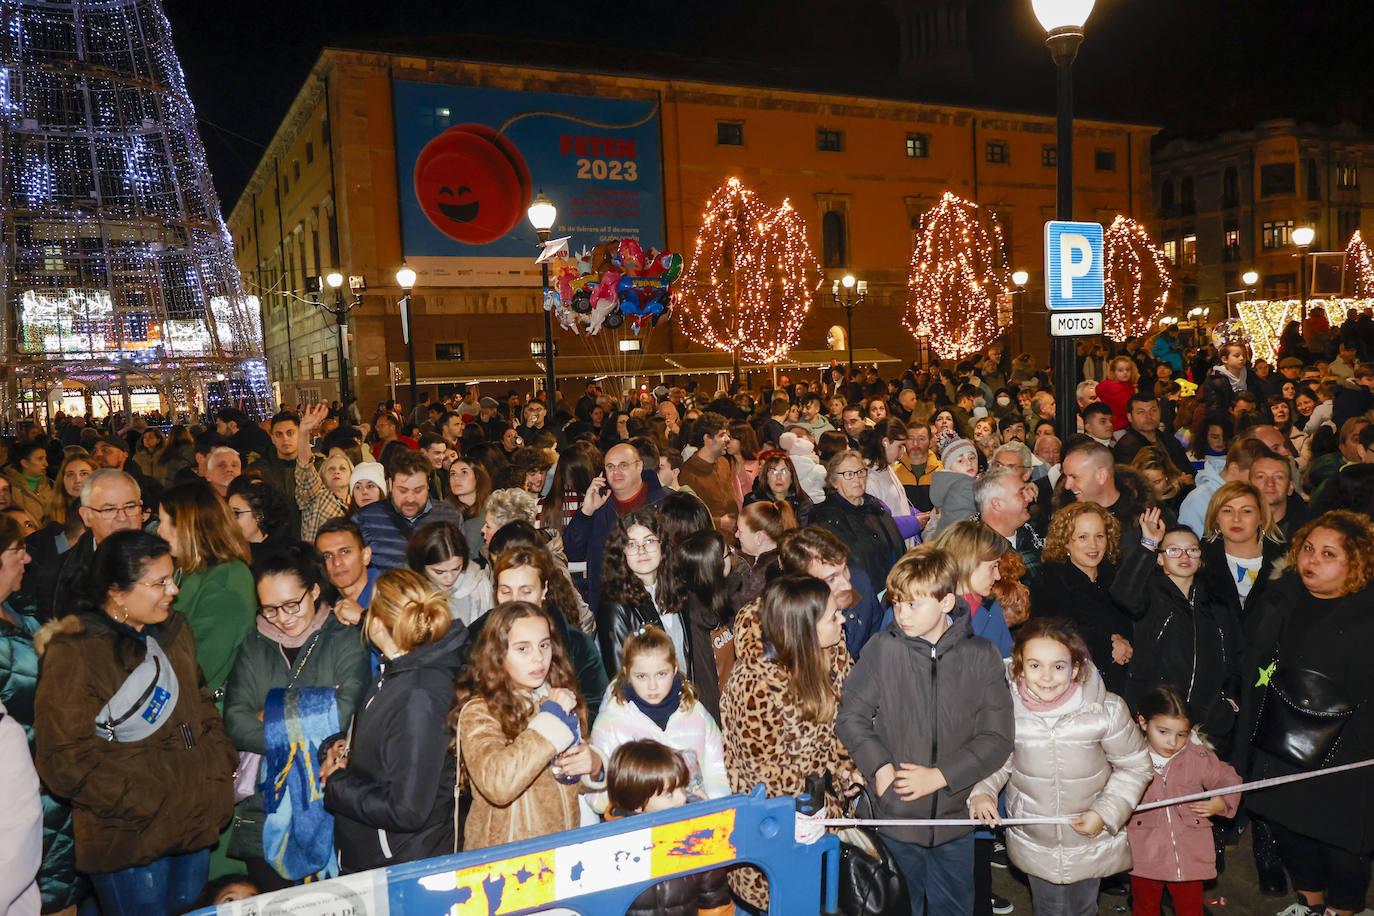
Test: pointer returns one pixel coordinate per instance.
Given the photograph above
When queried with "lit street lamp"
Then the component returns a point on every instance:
(1063, 21)
(405, 279)
(1250, 277)
(340, 312)
(1302, 237)
(1020, 278)
(849, 302)
(543, 214)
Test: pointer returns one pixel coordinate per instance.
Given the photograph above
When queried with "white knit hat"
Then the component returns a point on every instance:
(368, 470)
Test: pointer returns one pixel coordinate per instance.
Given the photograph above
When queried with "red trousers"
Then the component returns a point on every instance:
(1146, 894)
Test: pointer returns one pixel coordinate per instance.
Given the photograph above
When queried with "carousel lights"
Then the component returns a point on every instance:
(752, 277)
(957, 277)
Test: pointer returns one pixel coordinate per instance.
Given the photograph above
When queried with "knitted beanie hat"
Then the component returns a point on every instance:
(952, 449)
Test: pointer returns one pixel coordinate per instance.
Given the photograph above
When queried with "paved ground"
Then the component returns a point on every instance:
(1237, 884)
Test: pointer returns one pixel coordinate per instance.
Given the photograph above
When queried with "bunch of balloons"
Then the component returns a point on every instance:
(609, 284)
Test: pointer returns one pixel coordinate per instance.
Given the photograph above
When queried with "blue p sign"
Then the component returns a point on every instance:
(1073, 265)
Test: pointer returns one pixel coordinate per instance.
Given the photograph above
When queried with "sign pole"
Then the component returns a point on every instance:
(1064, 48)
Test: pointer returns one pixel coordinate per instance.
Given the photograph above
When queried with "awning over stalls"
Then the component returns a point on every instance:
(449, 372)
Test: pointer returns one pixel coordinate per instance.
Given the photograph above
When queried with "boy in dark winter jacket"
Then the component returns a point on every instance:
(645, 776)
(926, 715)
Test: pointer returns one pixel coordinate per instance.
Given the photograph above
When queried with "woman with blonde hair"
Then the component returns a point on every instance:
(384, 813)
(1241, 542)
(217, 596)
(321, 493)
(1164, 478)
(1082, 547)
(977, 552)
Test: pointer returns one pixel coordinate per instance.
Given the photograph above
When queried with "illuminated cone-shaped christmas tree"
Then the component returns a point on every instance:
(1359, 262)
(116, 261)
(751, 279)
(1137, 280)
(958, 274)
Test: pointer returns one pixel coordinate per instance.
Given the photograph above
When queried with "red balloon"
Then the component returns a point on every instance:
(472, 183)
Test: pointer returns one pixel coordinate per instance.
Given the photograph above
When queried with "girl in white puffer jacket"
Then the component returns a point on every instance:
(649, 698)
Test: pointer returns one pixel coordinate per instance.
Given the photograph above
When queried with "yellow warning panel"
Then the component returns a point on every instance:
(691, 843)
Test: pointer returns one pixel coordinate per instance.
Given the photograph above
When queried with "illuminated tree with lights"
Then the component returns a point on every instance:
(1136, 278)
(958, 274)
(751, 279)
(116, 260)
(1359, 260)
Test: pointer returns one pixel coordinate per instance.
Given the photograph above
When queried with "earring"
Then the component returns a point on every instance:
(125, 618)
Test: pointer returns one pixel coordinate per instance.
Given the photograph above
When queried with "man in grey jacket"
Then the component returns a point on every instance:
(926, 715)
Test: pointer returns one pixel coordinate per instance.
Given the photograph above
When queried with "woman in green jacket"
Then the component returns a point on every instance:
(298, 643)
(217, 595)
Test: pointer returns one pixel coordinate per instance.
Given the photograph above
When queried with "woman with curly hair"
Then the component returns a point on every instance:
(777, 482)
(517, 709)
(509, 505)
(1308, 650)
(262, 515)
(1081, 549)
(638, 587)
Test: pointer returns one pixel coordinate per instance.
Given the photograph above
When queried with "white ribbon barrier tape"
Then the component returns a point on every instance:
(1164, 803)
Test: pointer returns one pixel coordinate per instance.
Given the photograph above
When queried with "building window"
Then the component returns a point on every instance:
(1314, 181)
(309, 151)
(829, 141)
(296, 169)
(324, 365)
(917, 146)
(1276, 233)
(1230, 188)
(1171, 250)
(1049, 155)
(1232, 250)
(285, 184)
(1166, 198)
(1104, 160)
(1187, 203)
(998, 151)
(1347, 176)
(1277, 178)
(729, 133)
(832, 239)
(448, 351)
(1347, 221)
(1190, 249)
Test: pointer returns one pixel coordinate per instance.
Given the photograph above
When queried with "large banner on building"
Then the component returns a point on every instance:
(470, 160)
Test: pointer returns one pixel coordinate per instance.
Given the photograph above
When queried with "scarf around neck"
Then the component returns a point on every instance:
(1035, 704)
(659, 713)
(273, 632)
(1237, 381)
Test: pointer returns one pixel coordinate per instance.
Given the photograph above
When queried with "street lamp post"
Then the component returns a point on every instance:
(1020, 278)
(405, 278)
(542, 214)
(1063, 23)
(1302, 237)
(849, 302)
(340, 312)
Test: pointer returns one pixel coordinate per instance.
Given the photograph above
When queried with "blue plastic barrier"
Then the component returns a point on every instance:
(593, 871)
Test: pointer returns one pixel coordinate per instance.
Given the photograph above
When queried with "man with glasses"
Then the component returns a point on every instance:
(1039, 491)
(623, 487)
(707, 471)
(110, 501)
(388, 524)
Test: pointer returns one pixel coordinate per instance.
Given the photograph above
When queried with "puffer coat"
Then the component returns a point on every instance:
(1093, 757)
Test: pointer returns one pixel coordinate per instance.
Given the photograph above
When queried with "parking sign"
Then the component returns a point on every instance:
(1073, 266)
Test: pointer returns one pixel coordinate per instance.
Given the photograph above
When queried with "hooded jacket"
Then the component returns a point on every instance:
(943, 705)
(137, 801)
(1093, 757)
(951, 492)
(394, 801)
(1193, 511)
(1173, 843)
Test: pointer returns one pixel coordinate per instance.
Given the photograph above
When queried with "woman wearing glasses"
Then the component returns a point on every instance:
(857, 517)
(126, 729)
(638, 587)
(298, 643)
(777, 482)
(1185, 635)
(217, 595)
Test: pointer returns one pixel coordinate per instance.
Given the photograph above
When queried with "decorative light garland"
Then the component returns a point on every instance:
(1137, 280)
(958, 274)
(1359, 259)
(752, 276)
(1265, 319)
(116, 253)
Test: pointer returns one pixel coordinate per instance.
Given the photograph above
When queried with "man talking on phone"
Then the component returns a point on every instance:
(623, 486)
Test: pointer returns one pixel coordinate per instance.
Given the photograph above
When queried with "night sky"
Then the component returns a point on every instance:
(1190, 66)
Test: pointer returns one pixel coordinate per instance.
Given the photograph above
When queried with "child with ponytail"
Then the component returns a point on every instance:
(390, 788)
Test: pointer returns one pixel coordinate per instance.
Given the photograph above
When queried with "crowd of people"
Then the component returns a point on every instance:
(236, 656)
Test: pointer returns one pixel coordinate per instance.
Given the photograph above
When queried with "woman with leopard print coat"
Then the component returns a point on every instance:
(778, 708)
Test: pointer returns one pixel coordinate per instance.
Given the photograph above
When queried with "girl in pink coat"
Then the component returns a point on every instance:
(1172, 847)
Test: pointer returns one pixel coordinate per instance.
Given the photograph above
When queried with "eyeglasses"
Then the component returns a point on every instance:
(648, 545)
(240, 513)
(1174, 553)
(166, 583)
(290, 608)
(779, 472)
(850, 475)
(622, 466)
(113, 511)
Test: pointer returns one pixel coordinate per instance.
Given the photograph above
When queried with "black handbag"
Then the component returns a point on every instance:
(870, 882)
(1301, 717)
